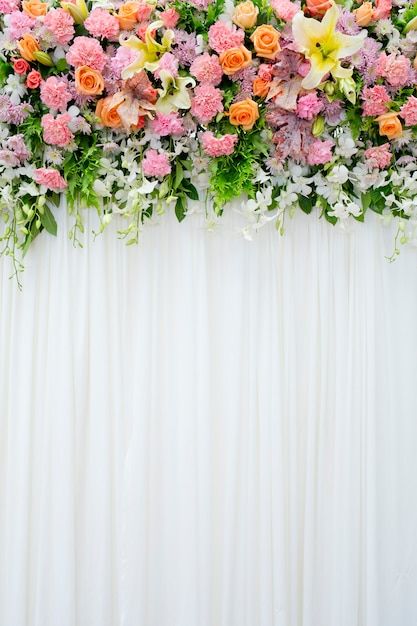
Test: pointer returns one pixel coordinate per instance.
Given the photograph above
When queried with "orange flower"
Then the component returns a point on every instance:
(318, 7)
(364, 14)
(415, 63)
(390, 125)
(127, 15)
(245, 14)
(34, 8)
(244, 113)
(27, 46)
(260, 87)
(266, 41)
(88, 82)
(235, 59)
(107, 113)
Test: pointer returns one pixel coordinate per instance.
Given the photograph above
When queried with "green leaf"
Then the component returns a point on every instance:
(179, 175)
(180, 208)
(366, 200)
(305, 203)
(61, 65)
(190, 190)
(48, 221)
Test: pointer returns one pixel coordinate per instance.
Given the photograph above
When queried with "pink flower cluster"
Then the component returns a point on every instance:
(60, 24)
(409, 111)
(375, 100)
(378, 156)
(100, 23)
(50, 178)
(55, 93)
(155, 163)
(8, 6)
(16, 144)
(56, 131)
(206, 103)
(168, 62)
(222, 37)
(382, 10)
(170, 18)
(207, 69)
(309, 106)
(396, 69)
(218, 146)
(167, 124)
(285, 9)
(20, 24)
(320, 152)
(87, 51)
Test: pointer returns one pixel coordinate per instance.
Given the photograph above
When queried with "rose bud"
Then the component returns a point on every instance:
(33, 79)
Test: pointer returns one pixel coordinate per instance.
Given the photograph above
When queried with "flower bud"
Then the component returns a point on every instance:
(318, 126)
(43, 58)
(411, 25)
(347, 87)
(329, 88)
(78, 11)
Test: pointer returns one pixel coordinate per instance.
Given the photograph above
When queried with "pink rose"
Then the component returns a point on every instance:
(33, 80)
(20, 66)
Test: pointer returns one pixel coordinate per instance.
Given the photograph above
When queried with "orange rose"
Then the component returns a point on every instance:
(88, 82)
(34, 8)
(127, 15)
(106, 112)
(415, 63)
(390, 125)
(245, 14)
(235, 59)
(260, 87)
(265, 40)
(318, 7)
(364, 14)
(27, 46)
(244, 113)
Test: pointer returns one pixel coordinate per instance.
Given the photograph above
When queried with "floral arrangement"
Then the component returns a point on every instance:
(138, 106)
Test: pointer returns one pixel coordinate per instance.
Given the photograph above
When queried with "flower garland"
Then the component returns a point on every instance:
(137, 106)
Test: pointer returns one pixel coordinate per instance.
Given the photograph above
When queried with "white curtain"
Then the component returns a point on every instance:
(206, 431)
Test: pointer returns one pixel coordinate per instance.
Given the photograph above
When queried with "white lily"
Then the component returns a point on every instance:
(324, 46)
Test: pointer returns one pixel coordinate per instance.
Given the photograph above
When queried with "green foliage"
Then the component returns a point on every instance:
(32, 131)
(232, 176)
(80, 170)
(5, 70)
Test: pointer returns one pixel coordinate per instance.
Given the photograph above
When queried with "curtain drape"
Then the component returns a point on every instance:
(206, 431)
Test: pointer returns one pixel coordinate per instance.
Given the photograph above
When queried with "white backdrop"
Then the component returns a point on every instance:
(205, 431)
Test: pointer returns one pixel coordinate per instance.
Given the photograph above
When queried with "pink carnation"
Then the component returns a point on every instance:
(144, 11)
(378, 156)
(309, 106)
(50, 178)
(16, 144)
(409, 111)
(55, 93)
(60, 24)
(284, 9)
(394, 68)
(167, 124)
(170, 18)
(375, 100)
(20, 24)
(87, 51)
(320, 152)
(56, 131)
(206, 103)
(123, 57)
(155, 163)
(101, 23)
(223, 37)
(382, 10)
(207, 69)
(168, 62)
(8, 6)
(218, 146)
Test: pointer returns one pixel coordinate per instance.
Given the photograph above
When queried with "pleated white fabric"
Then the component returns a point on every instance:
(205, 431)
